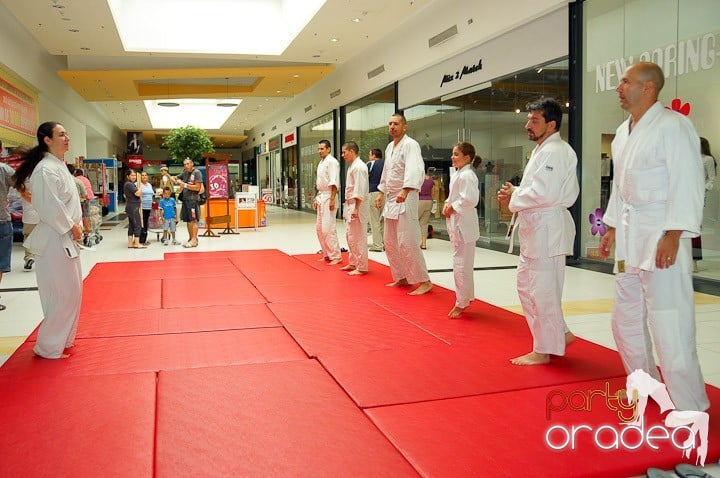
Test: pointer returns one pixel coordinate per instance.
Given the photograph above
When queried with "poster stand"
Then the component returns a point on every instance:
(217, 187)
(245, 201)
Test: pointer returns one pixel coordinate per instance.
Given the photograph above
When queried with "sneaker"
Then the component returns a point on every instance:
(175, 243)
(29, 264)
(164, 242)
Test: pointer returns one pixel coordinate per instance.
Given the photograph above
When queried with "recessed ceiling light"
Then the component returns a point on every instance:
(278, 91)
(296, 76)
(226, 104)
(356, 20)
(334, 40)
(65, 19)
(168, 104)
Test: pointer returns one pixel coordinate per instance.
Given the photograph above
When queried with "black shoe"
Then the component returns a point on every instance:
(28, 264)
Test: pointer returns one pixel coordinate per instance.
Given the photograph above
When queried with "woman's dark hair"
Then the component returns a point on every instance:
(129, 172)
(705, 150)
(466, 148)
(33, 156)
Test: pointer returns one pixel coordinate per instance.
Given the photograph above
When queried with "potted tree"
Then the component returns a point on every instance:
(187, 142)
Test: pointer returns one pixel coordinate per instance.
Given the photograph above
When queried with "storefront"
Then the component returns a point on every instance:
(309, 135)
(683, 37)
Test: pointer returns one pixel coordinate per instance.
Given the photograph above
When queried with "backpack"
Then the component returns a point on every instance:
(202, 196)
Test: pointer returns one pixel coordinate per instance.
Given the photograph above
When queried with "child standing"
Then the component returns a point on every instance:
(462, 224)
(169, 211)
(357, 209)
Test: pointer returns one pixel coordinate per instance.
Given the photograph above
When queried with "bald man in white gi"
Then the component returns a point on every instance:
(546, 229)
(654, 211)
(399, 187)
(327, 183)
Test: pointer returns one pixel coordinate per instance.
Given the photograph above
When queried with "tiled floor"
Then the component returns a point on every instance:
(587, 296)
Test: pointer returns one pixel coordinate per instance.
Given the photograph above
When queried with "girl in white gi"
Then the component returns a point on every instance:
(547, 231)
(655, 208)
(53, 240)
(462, 224)
(357, 210)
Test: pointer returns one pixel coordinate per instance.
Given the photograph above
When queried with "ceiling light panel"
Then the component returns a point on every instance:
(202, 113)
(181, 29)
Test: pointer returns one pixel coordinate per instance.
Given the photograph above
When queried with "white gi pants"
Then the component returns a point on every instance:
(463, 264)
(665, 298)
(376, 223)
(357, 244)
(59, 280)
(540, 286)
(402, 245)
(326, 228)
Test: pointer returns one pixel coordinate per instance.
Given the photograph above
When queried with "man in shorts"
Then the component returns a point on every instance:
(191, 182)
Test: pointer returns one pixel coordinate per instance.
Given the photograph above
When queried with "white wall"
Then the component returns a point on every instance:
(405, 51)
(20, 53)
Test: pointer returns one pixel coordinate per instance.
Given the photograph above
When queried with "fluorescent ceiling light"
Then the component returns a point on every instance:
(239, 27)
(202, 113)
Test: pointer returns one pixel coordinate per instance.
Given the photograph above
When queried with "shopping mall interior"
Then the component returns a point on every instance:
(245, 355)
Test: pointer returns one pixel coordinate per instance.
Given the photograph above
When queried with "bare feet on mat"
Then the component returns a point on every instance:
(569, 338)
(334, 262)
(326, 259)
(348, 268)
(62, 356)
(356, 272)
(531, 358)
(398, 283)
(456, 312)
(424, 288)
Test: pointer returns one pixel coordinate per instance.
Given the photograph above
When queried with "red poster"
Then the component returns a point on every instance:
(17, 110)
(218, 180)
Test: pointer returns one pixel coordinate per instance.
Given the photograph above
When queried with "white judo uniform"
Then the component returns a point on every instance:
(356, 199)
(547, 231)
(404, 168)
(328, 174)
(59, 274)
(658, 187)
(464, 229)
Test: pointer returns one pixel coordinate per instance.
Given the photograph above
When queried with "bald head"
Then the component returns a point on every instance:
(647, 71)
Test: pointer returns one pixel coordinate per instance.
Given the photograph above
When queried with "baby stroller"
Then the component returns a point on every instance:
(93, 236)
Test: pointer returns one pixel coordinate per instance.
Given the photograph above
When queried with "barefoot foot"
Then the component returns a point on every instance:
(334, 262)
(531, 358)
(348, 268)
(424, 288)
(357, 273)
(398, 283)
(456, 312)
(569, 338)
(326, 259)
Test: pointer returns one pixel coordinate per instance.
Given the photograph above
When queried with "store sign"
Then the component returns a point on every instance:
(461, 72)
(218, 180)
(676, 59)
(274, 143)
(135, 162)
(244, 200)
(289, 139)
(17, 109)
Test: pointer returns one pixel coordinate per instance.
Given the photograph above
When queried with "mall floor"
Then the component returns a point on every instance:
(587, 298)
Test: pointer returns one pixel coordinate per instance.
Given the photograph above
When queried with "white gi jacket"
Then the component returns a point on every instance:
(328, 174)
(56, 200)
(549, 186)
(463, 225)
(659, 184)
(357, 186)
(404, 168)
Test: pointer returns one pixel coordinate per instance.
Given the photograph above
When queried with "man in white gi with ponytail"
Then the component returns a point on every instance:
(327, 183)
(55, 239)
(357, 210)
(547, 231)
(655, 209)
(402, 176)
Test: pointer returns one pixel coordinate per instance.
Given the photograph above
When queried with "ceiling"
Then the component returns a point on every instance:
(83, 31)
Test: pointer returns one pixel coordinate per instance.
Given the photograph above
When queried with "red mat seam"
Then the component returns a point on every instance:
(409, 321)
(185, 332)
(155, 431)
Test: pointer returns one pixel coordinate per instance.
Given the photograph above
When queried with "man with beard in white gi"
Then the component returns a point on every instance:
(54, 239)
(402, 177)
(357, 209)
(654, 211)
(547, 231)
(327, 183)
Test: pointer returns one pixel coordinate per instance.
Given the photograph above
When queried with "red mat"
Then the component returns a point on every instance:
(247, 254)
(78, 426)
(504, 435)
(334, 326)
(209, 291)
(408, 375)
(283, 419)
(117, 271)
(283, 270)
(124, 295)
(172, 321)
(145, 353)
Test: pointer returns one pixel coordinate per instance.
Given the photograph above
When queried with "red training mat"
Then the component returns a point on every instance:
(282, 419)
(244, 254)
(503, 434)
(121, 295)
(144, 353)
(209, 291)
(78, 426)
(117, 271)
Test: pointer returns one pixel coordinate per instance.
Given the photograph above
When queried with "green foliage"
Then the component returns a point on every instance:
(188, 142)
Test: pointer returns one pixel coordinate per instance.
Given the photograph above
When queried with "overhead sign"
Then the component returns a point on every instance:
(289, 138)
(17, 107)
